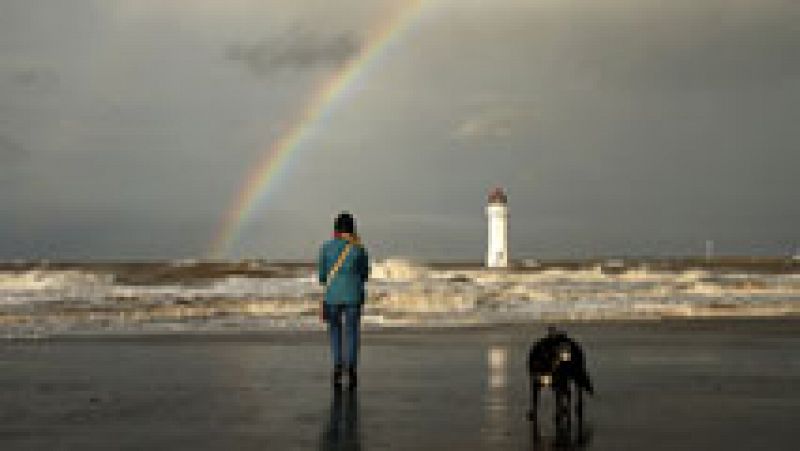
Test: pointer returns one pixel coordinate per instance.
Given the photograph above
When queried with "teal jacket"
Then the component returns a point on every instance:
(347, 286)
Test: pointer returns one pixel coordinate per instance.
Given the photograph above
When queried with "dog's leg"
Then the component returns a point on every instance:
(568, 406)
(563, 423)
(563, 405)
(557, 411)
(533, 412)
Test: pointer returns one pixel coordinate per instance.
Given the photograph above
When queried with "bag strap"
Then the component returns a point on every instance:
(339, 262)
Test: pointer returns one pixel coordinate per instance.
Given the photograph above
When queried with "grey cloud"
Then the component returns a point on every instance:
(708, 45)
(491, 123)
(11, 151)
(12, 157)
(487, 120)
(33, 77)
(633, 126)
(105, 233)
(295, 50)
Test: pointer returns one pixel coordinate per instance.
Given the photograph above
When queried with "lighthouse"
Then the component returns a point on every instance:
(497, 214)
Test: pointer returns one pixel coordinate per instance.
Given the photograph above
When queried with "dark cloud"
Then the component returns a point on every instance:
(484, 127)
(494, 122)
(106, 233)
(12, 157)
(33, 77)
(683, 45)
(295, 50)
(11, 151)
(633, 126)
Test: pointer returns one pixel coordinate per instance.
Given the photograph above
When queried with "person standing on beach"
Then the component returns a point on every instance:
(343, 270)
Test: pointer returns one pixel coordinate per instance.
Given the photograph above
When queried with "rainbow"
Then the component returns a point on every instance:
(324, 100)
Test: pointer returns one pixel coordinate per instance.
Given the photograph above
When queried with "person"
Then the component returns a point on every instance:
(343, 270)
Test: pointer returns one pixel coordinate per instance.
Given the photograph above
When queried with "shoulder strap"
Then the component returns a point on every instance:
(339, 261)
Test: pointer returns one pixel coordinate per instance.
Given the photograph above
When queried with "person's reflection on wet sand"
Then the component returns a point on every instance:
(568, 436)
(341, 430)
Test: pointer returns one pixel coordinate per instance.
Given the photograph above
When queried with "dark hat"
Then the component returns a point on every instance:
(344, 223)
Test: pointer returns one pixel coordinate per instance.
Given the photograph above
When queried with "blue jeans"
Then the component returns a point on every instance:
(352, 316)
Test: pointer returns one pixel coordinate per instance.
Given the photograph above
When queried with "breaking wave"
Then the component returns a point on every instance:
(42, 302)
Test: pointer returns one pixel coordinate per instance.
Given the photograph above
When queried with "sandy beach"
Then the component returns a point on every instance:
(678, 384)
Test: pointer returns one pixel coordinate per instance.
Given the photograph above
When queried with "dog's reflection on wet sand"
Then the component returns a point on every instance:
(341, 430)
(568, 435)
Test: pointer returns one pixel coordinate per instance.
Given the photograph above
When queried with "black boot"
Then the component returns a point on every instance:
(353, 376)
(337, 376)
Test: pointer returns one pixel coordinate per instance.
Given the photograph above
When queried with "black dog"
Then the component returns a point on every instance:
(558, 361)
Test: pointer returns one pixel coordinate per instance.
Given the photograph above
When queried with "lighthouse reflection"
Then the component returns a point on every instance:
(496, 404)
(342, 428)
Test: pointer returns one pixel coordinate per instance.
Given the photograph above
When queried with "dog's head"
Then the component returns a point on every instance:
(563, 353)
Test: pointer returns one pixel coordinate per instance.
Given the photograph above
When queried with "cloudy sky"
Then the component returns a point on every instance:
(618, 127)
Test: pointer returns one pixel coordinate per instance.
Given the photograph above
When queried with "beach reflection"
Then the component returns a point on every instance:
(496, 403)
(342, 428)
(569, 435)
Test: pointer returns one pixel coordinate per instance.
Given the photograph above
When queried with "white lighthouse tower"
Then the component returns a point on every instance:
(497, 213)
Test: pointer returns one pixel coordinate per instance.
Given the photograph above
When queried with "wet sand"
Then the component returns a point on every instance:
(679, 384)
